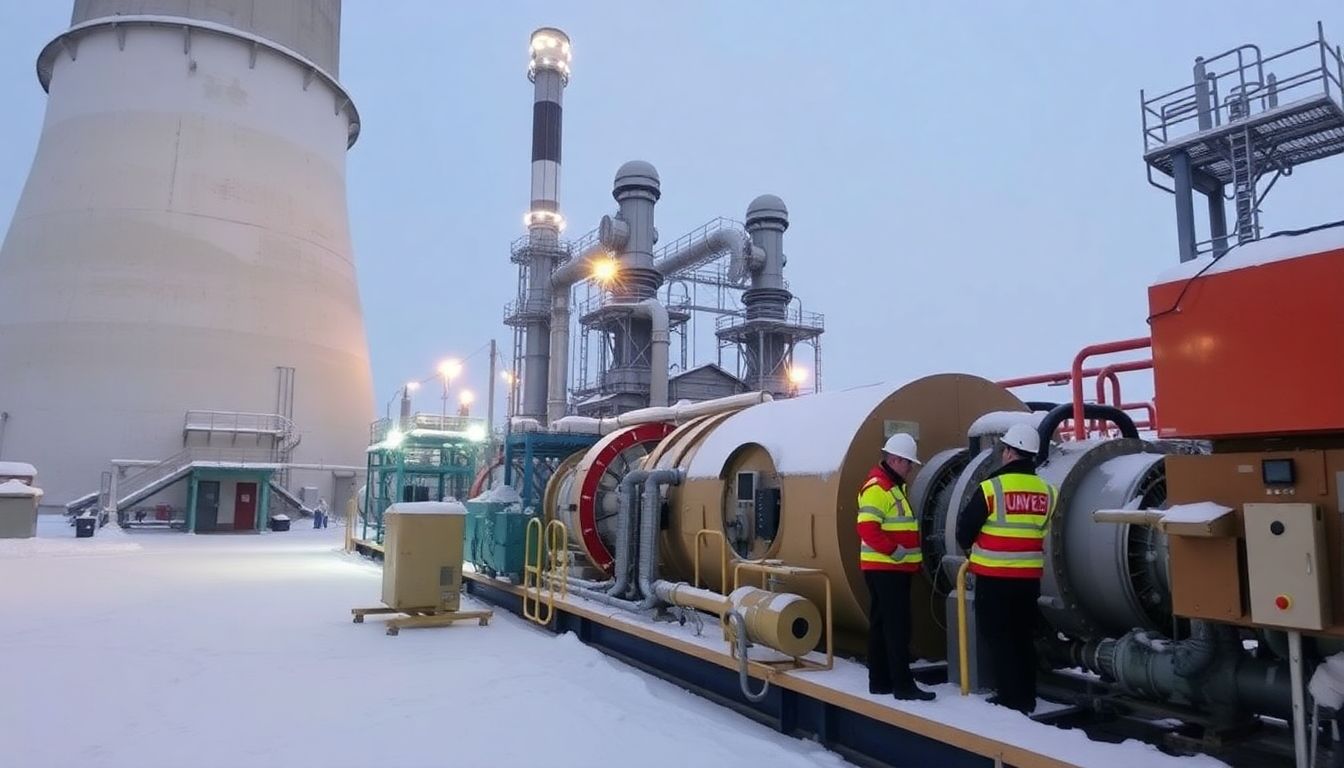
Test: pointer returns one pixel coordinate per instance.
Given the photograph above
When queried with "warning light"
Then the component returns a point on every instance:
(1283, 602)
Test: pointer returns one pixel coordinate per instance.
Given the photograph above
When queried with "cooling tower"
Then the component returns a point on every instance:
(182, 241)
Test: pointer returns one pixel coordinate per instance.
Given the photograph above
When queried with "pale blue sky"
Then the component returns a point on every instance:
(947, 166)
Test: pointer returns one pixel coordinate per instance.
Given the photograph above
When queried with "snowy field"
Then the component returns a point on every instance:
(165, 649)
(157, 649)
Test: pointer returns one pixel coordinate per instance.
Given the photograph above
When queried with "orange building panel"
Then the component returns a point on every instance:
(1255, 344)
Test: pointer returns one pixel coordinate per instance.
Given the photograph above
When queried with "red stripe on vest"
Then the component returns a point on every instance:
(1008, 543)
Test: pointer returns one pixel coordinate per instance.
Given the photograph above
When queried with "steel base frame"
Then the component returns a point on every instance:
(859, 739)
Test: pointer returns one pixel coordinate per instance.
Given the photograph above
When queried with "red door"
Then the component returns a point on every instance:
(245, 507)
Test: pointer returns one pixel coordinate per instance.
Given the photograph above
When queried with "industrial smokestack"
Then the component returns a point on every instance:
(182, 234)
(548, 70)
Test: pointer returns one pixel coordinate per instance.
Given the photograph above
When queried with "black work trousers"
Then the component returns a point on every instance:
(1005, 614)
(889, 630)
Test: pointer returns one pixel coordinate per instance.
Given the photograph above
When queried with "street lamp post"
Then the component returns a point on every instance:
(404, 392)
(448, 369)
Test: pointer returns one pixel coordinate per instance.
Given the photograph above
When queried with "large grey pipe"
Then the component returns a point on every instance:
(613, 236)
(727, 240)
(650, 516)
(658, 350)
(1209, 669)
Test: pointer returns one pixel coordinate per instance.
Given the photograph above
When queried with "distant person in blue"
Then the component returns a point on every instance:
(320, 514)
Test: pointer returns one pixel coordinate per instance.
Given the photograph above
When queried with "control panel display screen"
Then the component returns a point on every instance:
(1277, 471)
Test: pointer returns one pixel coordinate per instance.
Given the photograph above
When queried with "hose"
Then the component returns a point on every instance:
(1060, 413)
(743, 644)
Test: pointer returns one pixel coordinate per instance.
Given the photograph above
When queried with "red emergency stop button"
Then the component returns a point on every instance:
(1283, 602)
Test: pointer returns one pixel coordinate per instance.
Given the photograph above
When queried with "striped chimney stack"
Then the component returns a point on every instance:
(548, 69)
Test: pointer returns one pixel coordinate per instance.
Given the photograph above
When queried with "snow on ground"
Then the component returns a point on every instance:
(160, 648)
(969, 713)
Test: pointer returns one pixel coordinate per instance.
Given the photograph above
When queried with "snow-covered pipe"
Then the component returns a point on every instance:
(675, 414)
(612, 236)
(579, 268)
(683, 594)
(648, 533)
(732, 240)
(624, 523)
(557, 399)
(998, 422)
(658, 353)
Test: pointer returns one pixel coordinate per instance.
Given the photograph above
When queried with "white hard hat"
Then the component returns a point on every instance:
(902, 446)
(1023, 438)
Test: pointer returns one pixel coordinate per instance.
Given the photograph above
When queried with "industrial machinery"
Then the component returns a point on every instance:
(434, 459)
(1192, 558)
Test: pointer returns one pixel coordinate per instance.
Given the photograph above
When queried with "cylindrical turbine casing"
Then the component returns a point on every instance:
(182, 234)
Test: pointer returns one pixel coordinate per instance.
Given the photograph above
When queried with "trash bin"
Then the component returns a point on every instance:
(85, 525)
(279, 522)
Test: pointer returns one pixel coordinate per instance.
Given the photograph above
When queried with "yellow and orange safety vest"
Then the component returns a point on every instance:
(1011, 544)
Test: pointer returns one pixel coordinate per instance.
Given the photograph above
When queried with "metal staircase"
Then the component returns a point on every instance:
(290, 499)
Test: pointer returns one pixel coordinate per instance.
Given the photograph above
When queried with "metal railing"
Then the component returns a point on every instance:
(524, 247)
(701, 232)
(379, 430)
(237, 421)
(133, 485)
(599, 299)
(794, 316)
(1238, 78)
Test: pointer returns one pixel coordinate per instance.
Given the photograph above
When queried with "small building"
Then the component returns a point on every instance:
(224, 498)
(703, 382)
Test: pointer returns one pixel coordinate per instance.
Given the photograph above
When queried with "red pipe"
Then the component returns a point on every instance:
(1149, 407)
(1079, 427)
(1060, 377)
(1110, 373)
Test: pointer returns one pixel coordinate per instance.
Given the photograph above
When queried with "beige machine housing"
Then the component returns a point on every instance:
(423, 555)
(812, 453)
(1227, 572)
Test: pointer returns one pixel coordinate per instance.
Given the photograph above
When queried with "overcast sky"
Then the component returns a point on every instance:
(951, 169)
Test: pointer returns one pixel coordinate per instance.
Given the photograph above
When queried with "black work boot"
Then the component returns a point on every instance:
(913, 693)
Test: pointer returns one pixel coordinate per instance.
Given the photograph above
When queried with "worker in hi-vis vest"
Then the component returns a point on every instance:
(1003, 527)
(890, 554)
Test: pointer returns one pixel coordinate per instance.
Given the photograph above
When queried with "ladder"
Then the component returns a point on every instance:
(1243, 171)
(546, 560)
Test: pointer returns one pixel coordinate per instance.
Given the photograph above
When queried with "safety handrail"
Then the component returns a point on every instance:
(557, 539)
(723, 558)
(963, 652)
(544, 567)
(532, 568)
(769, 568)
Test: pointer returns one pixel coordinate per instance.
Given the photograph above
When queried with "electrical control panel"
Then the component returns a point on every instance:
(746, 496)
(767, 513)
(1287, 565)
